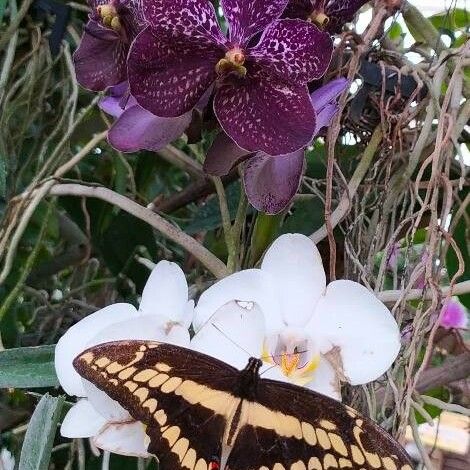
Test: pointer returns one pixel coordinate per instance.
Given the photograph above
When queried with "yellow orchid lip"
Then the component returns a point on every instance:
(232, 63)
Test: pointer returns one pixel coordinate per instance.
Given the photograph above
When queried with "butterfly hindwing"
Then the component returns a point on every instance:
(165, 387)
(293, 428)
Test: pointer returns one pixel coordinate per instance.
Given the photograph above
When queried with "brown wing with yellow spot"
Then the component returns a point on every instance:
(292, 428)
(167, 388)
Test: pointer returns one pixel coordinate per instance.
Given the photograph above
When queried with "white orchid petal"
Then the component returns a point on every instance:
(178, 335)
(324, 380)
(143, 327)
(77, 338)
(188, 315)
(296, 267)
(82, 420)
(251, 285)
(352, 318)
(166, 292)
(124, 439)
(110, 409)
(233, 334)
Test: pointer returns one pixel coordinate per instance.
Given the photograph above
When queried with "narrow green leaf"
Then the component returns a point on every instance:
(28, 367)
(39, 438)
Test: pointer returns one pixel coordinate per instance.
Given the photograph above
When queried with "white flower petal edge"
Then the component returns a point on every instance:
(166, 292)
(233, 334)
(143, 327)
(251, 285)
(123, 438)
(352, 318)
(298, 277)
(77, 338)
(325, 381)
(82, 420)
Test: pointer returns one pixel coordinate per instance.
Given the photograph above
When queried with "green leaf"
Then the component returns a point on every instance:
(208, 216)
(307, 216)
(443, 394)
(28, 367)
(453, 20)
(266, 228)
(37, 445)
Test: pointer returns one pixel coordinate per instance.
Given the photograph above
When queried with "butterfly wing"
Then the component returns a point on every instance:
(293, 428)
(180, 395)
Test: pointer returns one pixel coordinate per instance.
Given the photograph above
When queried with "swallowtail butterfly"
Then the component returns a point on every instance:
(202, 414)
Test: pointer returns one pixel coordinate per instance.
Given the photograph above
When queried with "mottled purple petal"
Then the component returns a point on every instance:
(138, 129)
(272, 182)
(168, 74)
(339, 12)
(301, 9)
(264, 113)
(328, 92)
(223, 155)
(100, 60)
(246, 18)
(294, 50)
(195, 19)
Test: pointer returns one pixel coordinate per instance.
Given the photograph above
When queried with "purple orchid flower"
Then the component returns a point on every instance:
(261, 97)
(100, 60)
(271, 182)
(136, 128)
(330, 15)
(453, 315)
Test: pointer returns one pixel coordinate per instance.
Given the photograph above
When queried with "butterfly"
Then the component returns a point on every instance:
(203, 414)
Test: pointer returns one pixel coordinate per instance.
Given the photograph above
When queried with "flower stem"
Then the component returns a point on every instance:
(266, 227)
(226, 224)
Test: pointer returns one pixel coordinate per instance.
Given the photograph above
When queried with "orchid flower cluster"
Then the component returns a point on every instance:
(161, 61)
(306, 332)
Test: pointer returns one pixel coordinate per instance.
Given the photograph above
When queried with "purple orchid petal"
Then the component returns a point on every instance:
(195, 19)
(453, 315)
(339, 12)
(294, 50)
(168, 74)
(328, 93)
(223, 155)
(325, 116)
(301, 9)
(116, 100)
(248, 18)
(272, 182)
(263, 113)
(100, 60)
(138, 129)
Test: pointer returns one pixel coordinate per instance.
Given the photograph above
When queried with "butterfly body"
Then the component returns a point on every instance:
(202, 414)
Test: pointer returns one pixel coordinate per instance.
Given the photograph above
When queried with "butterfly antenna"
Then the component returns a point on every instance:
(231, 340)
(268, 369)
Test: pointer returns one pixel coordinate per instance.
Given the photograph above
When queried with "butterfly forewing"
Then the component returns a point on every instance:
(181, 396)
(198, 412)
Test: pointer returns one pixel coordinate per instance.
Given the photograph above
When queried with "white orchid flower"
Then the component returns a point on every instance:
(312, 335)
(164, 314)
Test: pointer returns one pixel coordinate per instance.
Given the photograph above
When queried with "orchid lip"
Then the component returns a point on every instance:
(232, 63)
